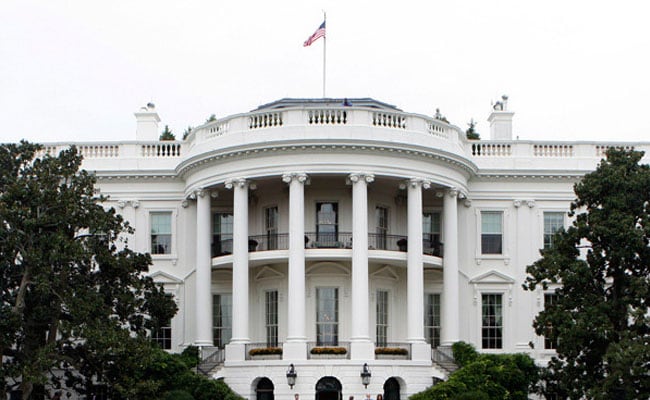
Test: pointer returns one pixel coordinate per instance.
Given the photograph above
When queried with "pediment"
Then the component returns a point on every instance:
(164, 277)
(327, 268)
(493, 276)
(385, 272)
(267, 272)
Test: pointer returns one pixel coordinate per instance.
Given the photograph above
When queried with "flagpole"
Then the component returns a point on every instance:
(324, 52)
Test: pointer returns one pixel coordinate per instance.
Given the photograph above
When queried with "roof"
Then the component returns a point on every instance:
(326, 102)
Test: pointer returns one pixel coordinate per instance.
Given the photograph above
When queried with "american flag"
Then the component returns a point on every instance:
(320, 32)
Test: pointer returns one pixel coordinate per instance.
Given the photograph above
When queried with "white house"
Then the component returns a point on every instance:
(318, 245)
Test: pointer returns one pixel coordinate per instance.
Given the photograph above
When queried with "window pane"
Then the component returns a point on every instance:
(271, 227)
(272, 318)
(549, 299)
(381, 215)
(492, 321)
(432, 319)
(222, 234)
(161, 232)
(327, 316)
(553, 222)
(382, 318)
(491, 232)
(222, 319)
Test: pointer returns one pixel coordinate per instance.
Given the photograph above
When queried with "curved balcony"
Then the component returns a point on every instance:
(385, 247)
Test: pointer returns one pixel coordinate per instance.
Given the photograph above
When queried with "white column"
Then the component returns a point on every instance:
(239, 269)
(295, 347)
(361, 346)
(203, 306)
(415, 272)
(450, 296)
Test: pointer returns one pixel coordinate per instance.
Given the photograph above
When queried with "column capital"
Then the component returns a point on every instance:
(357, 176)
(416, 182)
(298, 176)
(453, 192)
(239, 182)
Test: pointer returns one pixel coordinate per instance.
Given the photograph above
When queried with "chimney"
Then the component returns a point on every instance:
(501, 120)
(147, 123)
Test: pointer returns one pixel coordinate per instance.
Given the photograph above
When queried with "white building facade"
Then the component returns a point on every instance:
(330, 244)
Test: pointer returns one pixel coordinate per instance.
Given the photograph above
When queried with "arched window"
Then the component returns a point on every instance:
(328, 388)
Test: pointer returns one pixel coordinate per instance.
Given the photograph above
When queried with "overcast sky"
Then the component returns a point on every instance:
(77, 70)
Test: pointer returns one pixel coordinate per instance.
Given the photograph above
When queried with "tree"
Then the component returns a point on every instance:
(471, 131)
(211, 118)
(600, 317)
(74, 298)
(167, 134)
(485, 376)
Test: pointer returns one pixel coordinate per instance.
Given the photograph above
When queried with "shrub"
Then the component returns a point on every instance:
(262, 351)
(391, 350)
(328, 350)
(464, 353)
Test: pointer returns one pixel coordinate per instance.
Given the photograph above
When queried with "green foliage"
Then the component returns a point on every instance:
(211, 118)
(464, 353)
(600, 318)
(471, 132)
(485, 376)
(167, 134)
(73, 296)
(178, 395)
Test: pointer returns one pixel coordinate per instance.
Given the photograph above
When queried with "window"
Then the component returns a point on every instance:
(271, 318)
(553, 222)
(431, 233)
(492, 321)
(381, 215)
(222, 319)
(327, 316)
(271, 227)
(327, 224)
(161, 232)
(432, 319)
(491, 232)
(222, 234)
(549, 299)
(382, 318)
(163, 335)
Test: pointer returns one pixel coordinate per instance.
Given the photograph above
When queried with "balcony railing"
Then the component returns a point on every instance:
(270, 241)
(338, 240)
(313, 240)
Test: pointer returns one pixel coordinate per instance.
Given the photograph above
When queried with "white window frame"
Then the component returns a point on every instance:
(173, 251)
(542, 226)
(388, 313)
(505, 223)
(426, 297)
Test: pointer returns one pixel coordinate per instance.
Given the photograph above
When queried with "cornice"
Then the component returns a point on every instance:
(203, 160)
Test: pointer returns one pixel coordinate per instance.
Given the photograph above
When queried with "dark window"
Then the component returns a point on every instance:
(549, 299)
(553, 222)
(432, 319)
(327, 316)
(492, 321)
(382, 318)
(222, 319)
(327, 224)
(271, 318)
(491, 232)
(271, 226)
(161, 232)
(381, 214)
(222, 234)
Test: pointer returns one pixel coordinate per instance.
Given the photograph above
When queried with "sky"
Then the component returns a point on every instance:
(77, 70)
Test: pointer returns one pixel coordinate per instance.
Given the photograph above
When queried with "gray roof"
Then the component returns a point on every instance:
(326, 102)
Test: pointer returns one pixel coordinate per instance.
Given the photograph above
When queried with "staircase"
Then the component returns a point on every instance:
(442, 357)
(211, 358)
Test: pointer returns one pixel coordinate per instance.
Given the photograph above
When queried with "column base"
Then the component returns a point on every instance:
(294, 351)
(235, 352)
(362, 350)
(203, 343)
(420, 351)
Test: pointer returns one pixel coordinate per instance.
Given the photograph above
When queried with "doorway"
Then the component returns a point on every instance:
(328, 388)
(264, 389)
(391, 389)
